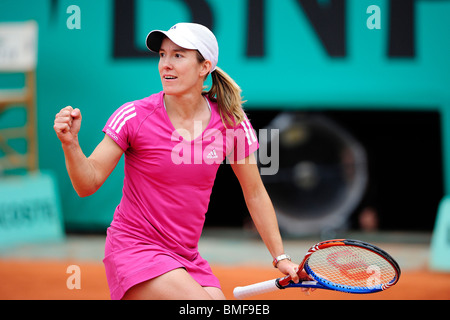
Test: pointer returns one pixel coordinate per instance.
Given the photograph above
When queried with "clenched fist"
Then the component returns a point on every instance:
(67, 125)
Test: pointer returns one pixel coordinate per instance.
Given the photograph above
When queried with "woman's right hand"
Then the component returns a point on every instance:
(86, 174)
(67, 124)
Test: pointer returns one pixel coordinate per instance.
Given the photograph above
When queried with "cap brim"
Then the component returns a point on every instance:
(156, 37)
(154, 40)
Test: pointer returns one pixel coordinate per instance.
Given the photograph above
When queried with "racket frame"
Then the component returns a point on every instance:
(317, 282)
(286, 282)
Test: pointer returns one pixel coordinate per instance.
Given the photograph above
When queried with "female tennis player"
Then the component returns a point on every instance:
(174, 142)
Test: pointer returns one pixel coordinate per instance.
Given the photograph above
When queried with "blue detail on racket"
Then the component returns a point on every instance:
(345, 265)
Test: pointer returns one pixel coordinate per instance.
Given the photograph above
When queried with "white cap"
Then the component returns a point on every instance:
(191, 36)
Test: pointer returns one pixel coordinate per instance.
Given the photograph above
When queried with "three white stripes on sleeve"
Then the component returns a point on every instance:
(122, 117)
(248, 131)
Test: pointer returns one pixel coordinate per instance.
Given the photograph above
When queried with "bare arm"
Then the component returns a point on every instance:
(86, 174)
(262, 211)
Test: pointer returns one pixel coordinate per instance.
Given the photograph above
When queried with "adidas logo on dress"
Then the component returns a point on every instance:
(212, 154)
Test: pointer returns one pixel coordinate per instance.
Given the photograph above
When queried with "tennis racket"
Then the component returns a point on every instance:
(345, 265)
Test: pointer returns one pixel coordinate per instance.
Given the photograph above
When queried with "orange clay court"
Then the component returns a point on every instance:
(26, 274)
(46, 280)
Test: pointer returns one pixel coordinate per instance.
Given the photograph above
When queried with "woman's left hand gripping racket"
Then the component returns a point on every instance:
(344, 265)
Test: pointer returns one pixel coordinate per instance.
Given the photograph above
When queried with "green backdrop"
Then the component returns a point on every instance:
(77, 67)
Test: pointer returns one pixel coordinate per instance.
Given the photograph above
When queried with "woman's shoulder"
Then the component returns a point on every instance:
(145, 104)
(132, 113)
(151, 102)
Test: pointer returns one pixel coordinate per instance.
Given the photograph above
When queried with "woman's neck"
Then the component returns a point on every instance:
(185, 106)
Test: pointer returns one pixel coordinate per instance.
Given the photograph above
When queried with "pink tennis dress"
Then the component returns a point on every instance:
(166, 192)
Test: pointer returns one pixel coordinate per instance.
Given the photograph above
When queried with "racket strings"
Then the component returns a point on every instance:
(351, 266)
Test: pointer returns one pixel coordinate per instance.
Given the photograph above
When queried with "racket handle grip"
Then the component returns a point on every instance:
(255, 289)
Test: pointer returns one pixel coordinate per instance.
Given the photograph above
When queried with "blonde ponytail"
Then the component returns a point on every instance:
(226, 92)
